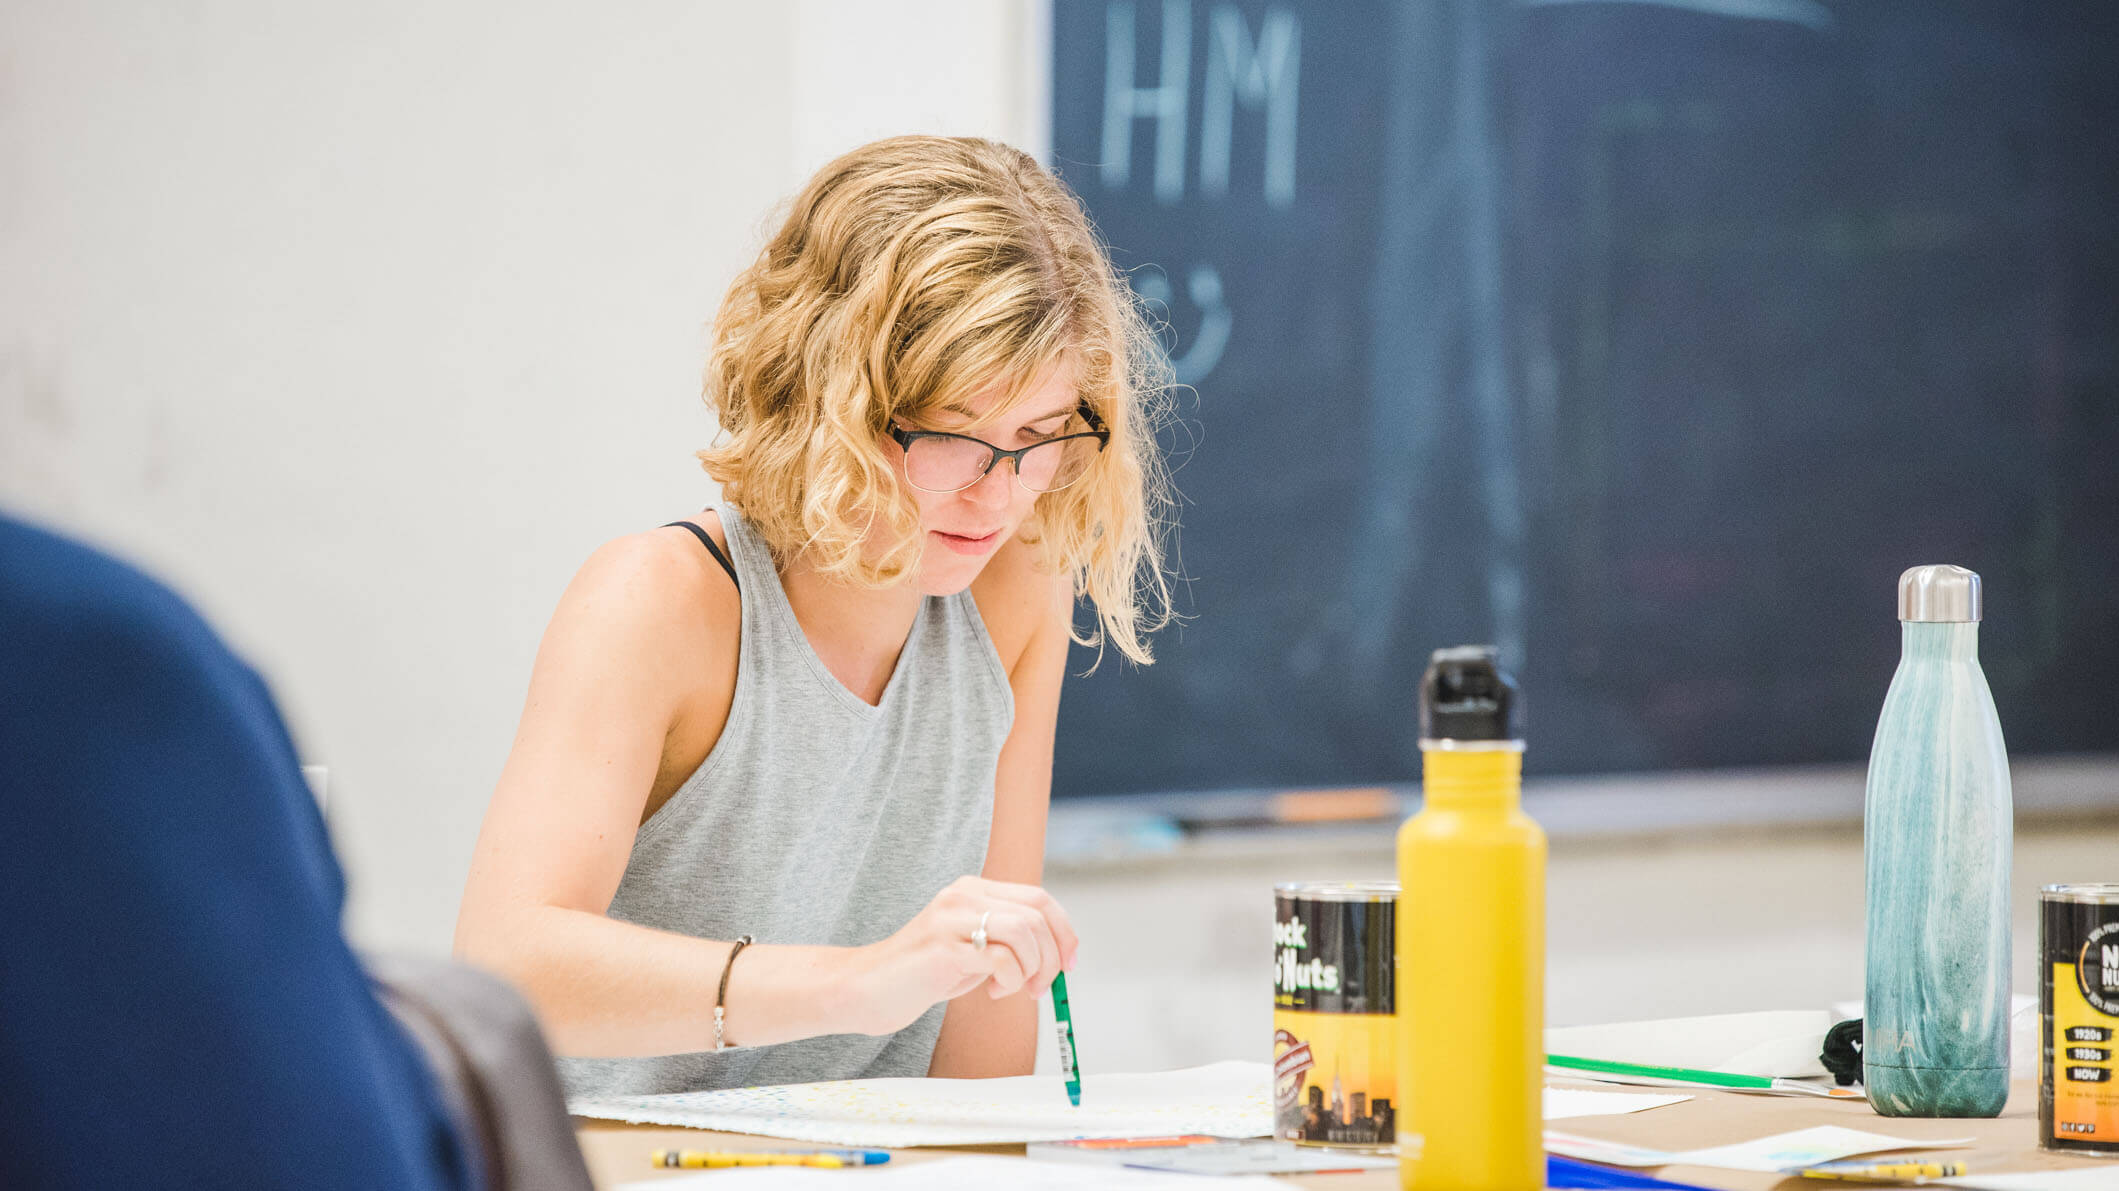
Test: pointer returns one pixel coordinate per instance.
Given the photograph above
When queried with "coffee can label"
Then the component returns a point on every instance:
(2078, 1101)
(1334, 1036)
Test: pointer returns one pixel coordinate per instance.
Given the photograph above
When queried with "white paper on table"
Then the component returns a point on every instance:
(962, 1174)
(1780, 1152)
(1229, 1099)
(1562, 1103)
(1255, 1155)
(1782, 1043)
(1610, 1153)
(2083, 1178)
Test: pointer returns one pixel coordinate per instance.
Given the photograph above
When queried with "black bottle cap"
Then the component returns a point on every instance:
(1465, 695)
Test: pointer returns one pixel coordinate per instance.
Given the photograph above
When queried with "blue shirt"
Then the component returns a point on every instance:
(178, 1007)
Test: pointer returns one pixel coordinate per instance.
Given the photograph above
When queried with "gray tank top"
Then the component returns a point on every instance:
(817, 819)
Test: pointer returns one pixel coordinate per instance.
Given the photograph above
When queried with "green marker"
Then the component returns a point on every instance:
(1691, 1075)
(1719, 1079)
(1065, 1022)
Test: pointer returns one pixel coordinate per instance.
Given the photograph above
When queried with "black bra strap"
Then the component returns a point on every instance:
(707, 541)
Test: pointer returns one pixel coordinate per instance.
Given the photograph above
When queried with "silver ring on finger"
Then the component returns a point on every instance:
(978, 933)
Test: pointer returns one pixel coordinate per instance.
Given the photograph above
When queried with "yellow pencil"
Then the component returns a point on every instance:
(1886, 1172)
(723, 1159)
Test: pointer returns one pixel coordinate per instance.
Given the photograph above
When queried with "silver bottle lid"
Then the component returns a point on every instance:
(1938, 593)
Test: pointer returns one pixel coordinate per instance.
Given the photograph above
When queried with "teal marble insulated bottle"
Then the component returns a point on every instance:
(1937, 831)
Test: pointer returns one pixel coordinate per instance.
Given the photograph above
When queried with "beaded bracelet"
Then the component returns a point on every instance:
(721, 995)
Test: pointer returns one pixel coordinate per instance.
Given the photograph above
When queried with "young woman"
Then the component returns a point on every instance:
(820, 715)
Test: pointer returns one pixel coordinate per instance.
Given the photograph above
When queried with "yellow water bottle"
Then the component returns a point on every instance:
(1471, 943)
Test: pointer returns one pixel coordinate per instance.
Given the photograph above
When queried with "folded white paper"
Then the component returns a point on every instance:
(1780, 1152)
(1782, 1043)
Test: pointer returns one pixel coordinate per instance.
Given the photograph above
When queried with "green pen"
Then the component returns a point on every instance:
(1065, 1023)
(1692, 1075)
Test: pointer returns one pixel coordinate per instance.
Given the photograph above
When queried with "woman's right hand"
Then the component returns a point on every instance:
(934, 958)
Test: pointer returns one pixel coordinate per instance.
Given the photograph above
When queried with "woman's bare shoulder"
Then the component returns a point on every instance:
(659, 585)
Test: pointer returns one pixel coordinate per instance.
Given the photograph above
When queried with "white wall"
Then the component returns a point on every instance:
(363, 324)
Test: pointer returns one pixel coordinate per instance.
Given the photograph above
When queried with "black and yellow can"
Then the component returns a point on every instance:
(1335, 1055)
(2078, 944)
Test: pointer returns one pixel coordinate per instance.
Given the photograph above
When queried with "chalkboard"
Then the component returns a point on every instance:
(1650, 341)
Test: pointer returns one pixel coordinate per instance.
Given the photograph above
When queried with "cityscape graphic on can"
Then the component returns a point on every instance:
(2078, 1012)
(1335, 1053)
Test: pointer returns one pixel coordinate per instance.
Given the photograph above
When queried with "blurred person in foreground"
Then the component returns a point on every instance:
(177, 1005)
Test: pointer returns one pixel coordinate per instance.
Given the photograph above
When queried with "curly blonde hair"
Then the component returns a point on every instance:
(909, 275)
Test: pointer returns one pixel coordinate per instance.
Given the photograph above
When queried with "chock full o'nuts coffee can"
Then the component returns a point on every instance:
(2078, 1018)
(1335, 1053)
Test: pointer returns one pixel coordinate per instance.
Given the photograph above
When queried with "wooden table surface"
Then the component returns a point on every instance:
(617, 1153)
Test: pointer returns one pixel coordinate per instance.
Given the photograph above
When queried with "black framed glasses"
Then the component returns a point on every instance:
(937, 461)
